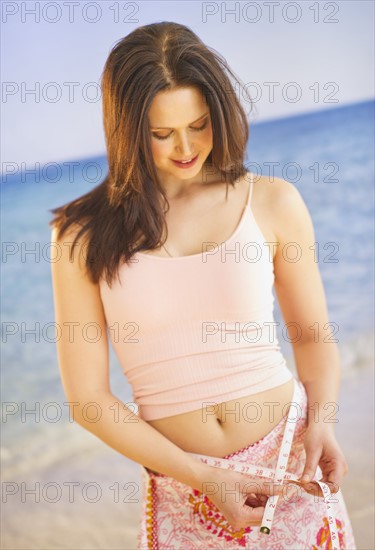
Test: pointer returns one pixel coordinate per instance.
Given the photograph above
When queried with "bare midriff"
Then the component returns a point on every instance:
(223, 428)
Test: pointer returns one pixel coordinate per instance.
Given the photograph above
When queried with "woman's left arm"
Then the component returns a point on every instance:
(302, 301)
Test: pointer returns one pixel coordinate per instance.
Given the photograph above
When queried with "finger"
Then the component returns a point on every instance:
(333, 474)
(266, 488)
(337, 473)
(332, 485)
(247, 517)
(251, 515)
(255, 500)
(312, 461)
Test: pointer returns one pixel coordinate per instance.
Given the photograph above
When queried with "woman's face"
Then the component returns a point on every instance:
(180, 129)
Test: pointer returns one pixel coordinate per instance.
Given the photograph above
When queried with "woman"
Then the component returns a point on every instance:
(176, 253)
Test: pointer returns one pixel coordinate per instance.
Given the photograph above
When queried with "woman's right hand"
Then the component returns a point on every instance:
(241, 498)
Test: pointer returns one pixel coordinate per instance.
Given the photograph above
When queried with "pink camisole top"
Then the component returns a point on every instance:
(197, 330)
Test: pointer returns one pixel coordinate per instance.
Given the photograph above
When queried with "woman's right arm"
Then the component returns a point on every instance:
(84, 370)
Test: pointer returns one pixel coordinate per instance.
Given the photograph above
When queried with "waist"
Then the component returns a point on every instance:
(194, 382)
(223, 428)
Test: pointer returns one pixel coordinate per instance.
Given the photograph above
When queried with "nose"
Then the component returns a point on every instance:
(184, 146)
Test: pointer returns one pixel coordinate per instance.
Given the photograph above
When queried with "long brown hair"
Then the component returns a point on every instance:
(126, 205)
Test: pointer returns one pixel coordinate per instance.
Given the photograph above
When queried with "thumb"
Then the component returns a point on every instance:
(312, 461)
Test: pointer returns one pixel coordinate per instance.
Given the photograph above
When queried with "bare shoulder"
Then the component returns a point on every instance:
(70, 250)
(281, 207)
(71, 280)
(274, 191)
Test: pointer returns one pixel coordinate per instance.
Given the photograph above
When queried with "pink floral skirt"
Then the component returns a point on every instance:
(176, 516)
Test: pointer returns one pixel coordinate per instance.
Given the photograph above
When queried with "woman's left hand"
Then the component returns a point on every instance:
(323, 450)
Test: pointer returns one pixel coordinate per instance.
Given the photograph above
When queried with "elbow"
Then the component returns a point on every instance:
(87, 409)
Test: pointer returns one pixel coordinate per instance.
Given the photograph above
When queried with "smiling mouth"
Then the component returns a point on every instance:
(186, 162)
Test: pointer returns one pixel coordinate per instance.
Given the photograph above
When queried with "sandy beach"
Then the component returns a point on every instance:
(112, 521)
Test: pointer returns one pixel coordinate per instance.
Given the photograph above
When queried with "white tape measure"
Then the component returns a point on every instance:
(279, 475)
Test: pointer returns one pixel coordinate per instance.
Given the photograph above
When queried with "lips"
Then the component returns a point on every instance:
(185, 163)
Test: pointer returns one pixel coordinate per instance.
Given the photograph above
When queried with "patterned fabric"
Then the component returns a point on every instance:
(176, 516)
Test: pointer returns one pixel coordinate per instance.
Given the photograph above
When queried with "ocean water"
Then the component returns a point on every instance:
(328, 155)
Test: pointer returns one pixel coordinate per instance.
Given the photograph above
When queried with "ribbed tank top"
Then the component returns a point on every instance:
(194, 330)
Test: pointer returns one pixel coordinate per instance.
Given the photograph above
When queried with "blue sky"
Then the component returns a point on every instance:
(325, 48)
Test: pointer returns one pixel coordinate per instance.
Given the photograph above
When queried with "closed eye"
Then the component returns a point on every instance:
(199, 129)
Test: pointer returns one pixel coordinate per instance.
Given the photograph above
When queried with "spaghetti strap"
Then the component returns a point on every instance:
(250, 192)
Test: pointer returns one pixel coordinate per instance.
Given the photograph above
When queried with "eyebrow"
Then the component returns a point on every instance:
(166, 128)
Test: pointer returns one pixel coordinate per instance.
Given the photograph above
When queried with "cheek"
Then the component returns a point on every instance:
(160, 149)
